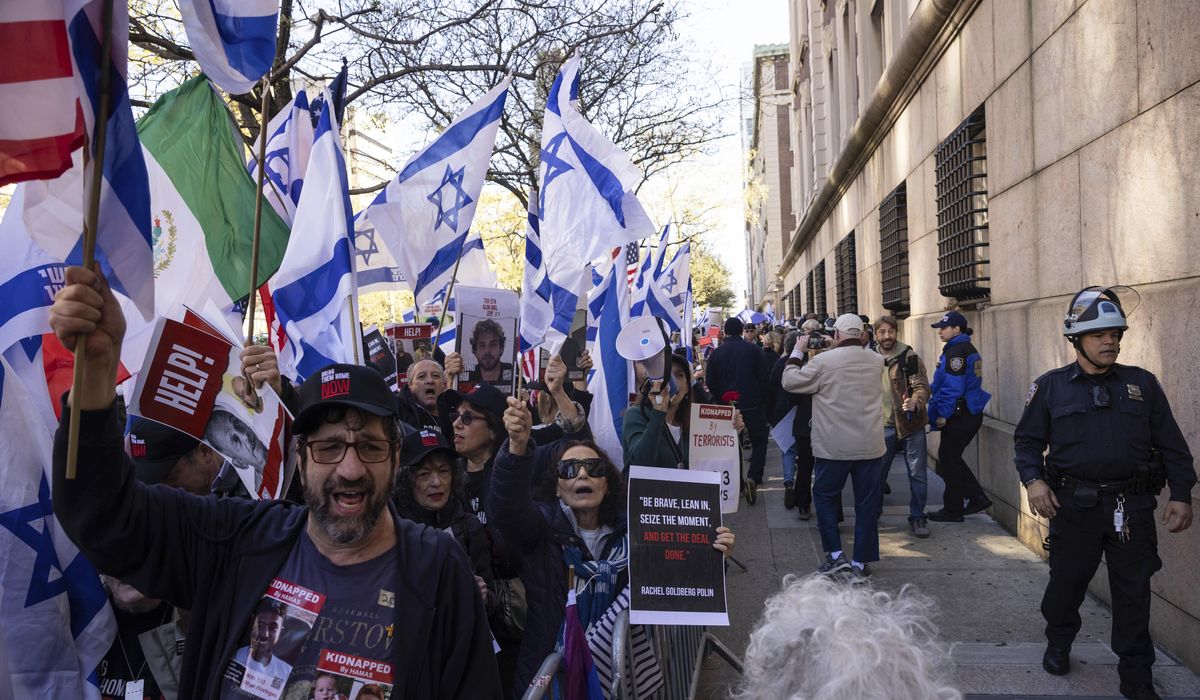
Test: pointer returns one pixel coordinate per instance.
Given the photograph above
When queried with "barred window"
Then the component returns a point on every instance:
(961, 168)
(818, 289)
(808, 294)
(893, 247)
(846, 271)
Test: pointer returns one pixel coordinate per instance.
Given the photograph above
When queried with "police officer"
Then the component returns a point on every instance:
(956, 408)
(1113, 444)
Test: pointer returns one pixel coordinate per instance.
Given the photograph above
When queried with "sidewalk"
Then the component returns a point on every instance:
(988, 587)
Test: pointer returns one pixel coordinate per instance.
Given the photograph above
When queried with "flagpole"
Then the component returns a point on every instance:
(258, 204)
(90, 224)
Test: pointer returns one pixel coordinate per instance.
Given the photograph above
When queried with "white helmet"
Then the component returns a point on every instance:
(1094, 309)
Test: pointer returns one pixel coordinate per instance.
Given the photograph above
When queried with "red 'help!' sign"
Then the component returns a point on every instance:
(183, 377)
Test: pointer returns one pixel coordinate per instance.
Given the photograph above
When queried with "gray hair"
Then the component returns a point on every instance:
(821, 640)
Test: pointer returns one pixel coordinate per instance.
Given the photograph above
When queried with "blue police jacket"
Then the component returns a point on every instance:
(958, 375)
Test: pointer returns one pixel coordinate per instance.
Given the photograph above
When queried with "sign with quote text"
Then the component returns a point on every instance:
(676, 577)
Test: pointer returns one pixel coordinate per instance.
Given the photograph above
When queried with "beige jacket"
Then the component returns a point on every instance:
(847, 404)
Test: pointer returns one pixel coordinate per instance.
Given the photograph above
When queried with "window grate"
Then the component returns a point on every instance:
(846, 274)
(893, 247)
(962, 213)
(808, 294)
(818, 289)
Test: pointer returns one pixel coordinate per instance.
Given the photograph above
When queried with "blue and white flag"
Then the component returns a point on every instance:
(424, 214)
(313, 290)
(586, 204)
(234, 40)
(547, 308)
(609, 383)
(651, 268)
(57, 621)
(289, 144)
(667, 294)
(29, 279)
(124, 247)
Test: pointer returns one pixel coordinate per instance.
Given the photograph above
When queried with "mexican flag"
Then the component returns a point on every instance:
(202, 204)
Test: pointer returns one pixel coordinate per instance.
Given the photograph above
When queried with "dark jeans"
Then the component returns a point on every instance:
(1077, 540)
(798, 468)
(912, 446)
(829, 478)
(757, 431)
(961, 484)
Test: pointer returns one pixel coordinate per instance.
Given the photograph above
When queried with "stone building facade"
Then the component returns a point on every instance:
(995, 156)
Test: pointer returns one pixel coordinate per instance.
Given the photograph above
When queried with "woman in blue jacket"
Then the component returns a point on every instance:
(574, 517)
(956, 409)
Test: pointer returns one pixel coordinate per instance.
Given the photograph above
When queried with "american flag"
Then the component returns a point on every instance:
(529, 364)
(632, 262)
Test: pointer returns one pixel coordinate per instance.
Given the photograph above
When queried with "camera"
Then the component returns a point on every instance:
(816, 341)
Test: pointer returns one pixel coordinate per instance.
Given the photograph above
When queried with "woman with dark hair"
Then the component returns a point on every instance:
(430, 489)
(655, 429)
(578, 520)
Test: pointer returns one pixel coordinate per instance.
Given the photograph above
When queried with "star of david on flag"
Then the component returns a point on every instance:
(453, 180)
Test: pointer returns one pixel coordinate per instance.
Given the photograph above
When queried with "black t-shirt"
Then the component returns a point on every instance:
(125, 660)
(476, 491)
(337, 629)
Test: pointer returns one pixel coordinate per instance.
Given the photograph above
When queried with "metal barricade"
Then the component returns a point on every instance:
(543, 682)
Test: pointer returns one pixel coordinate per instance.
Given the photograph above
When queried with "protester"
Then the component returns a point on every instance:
(772, 349)
(418, 399)
(220, 558)
(905, 394)
(134, 656)
(819, 641)
(956, 409)
(579, 521)
(655, 430)
(739, 366)
(430, 489)
(561, 408)
(847, 440)
(473, 420)
(797, 459)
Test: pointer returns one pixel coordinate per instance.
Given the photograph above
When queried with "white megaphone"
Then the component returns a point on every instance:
(645, 341)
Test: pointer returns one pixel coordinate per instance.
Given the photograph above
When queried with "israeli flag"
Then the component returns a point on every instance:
(289, 145)
(547, 308)
(667, 294)
(124, 247)
(424, 214)
(234, 40)
(585, 200)
(652, 265)
(313, 291)
(29, 279)
(609, 383)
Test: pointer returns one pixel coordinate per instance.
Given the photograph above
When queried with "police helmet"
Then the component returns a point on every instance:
(1094, 309)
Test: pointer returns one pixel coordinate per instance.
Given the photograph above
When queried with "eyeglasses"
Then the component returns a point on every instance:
(569, 468)
(333, 451)
(1100, 398)
(465, 417)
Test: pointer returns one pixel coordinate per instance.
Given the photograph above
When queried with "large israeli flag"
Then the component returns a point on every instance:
(234, 40)
(547, 308)
(652, 265)
(314, 288)
(424, 214)
(609, 383)
(123, 237)
(289, 144)
(29, 279)
(586, 204)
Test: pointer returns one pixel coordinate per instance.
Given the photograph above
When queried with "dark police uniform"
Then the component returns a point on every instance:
(1099, 428)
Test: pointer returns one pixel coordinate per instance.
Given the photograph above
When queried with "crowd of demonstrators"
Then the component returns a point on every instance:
(905, 395)
(218, 558)
(737, 373)
(956, 410)
(847, 442)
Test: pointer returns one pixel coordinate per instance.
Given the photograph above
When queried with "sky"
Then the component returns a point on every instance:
(726, 33)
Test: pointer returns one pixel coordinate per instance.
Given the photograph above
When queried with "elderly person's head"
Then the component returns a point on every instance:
(426, 380)
(848, 327)
(584, 479)
(430, 475)
(821, 640)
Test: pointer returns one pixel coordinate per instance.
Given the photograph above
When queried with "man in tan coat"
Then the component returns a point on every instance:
(905, 393)
(847, 440)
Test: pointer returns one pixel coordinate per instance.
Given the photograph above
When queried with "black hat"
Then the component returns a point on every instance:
(419, 444)
(485, 397)
(733, 326)
(951, 318)
(343, 385)
(154, 448)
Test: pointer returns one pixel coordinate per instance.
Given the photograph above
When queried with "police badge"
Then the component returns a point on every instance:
(956, 364)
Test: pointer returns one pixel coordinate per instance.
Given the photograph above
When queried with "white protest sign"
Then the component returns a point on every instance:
(713, 446)
(487, 337)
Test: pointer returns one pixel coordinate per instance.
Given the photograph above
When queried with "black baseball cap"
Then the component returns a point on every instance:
(154, 449)
(419, 444)
(343, 385)
(484, 396)
(951, 318)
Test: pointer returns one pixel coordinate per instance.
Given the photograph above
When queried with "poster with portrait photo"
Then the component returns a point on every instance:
(486, 321)
(274, 640)
(569, 350)
(413, 342)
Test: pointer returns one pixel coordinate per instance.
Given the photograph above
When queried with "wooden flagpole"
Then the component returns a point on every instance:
(100, 136)
(258, 204)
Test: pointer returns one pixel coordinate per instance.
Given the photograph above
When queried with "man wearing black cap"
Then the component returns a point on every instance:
(164, 455)
(364, 584)
(956, 408)
(739, 366)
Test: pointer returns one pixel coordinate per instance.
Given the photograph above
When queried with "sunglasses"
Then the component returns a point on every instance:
(595, 467)
(464, 417)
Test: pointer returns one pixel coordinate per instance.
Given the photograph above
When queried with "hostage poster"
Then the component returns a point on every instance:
(487, 337)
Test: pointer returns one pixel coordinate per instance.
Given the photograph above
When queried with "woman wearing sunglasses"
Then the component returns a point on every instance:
(575, 517)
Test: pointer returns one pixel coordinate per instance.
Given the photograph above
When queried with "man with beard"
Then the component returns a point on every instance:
(487, 343)
(364, 583)
(905, 393)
